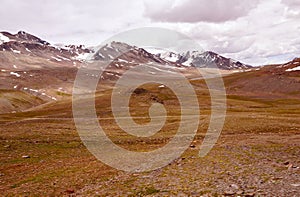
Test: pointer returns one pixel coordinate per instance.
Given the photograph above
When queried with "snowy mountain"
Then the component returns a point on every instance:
(203, 59)
(33, 68)
(187, 59)
(27, 44)
(120, 51)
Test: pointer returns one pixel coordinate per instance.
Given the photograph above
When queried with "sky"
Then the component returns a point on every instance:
(255, 32)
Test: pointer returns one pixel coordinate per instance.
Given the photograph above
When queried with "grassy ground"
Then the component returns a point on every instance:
(41, 153)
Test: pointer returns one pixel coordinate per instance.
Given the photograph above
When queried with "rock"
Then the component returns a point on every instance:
(25, 156)
(250, 194)
(139, 91)
(234, 186)
(229, 193)
(286, 162)
(70, 191)
(6, 146)
(240, 192)
(192, 146)
(295, 184)
(291, 166)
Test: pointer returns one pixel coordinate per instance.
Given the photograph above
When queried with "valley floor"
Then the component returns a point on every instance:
(257, 154)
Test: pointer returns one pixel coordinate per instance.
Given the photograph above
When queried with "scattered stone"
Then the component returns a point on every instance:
(291, 166)
(240, 192)
(234, 186)
(229, 193)
(286, 162)
(250, 194)
(70, 191)
(192, 146)
(25, 156)
(6, 146)
(139, 91)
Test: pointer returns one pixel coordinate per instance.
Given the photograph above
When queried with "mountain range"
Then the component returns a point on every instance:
(28, 44)
(34, 72)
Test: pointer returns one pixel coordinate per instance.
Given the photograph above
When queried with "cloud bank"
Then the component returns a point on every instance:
(192, 11)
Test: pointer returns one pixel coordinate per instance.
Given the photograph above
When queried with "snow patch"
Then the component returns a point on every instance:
(188, 62)
(16, 51)
(293, 69)
(33, 90)
(82, 56)
(109, 46)
(170, 56)
(57, 59)
(100, 54)
(15, 74)
(111, 74)
(3, 38)
(155, 51)
(121, 60)
(67, 59)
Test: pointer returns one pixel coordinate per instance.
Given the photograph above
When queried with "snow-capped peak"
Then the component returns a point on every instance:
(202, 59)
(3, 38)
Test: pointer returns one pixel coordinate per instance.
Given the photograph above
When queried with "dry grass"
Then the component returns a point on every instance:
(259, 135)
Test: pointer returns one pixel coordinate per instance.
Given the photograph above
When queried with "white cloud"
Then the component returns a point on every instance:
(198, 10)
(266, 35)
(72, 21)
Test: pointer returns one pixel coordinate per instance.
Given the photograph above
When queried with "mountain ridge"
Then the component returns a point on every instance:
(23, 42)
(34, 66)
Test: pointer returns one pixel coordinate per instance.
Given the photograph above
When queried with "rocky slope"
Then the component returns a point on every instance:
(271, 81)
(204, 59)
(23, 43)
(36, 67)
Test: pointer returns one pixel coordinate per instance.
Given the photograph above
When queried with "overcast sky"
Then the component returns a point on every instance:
(252, 31)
